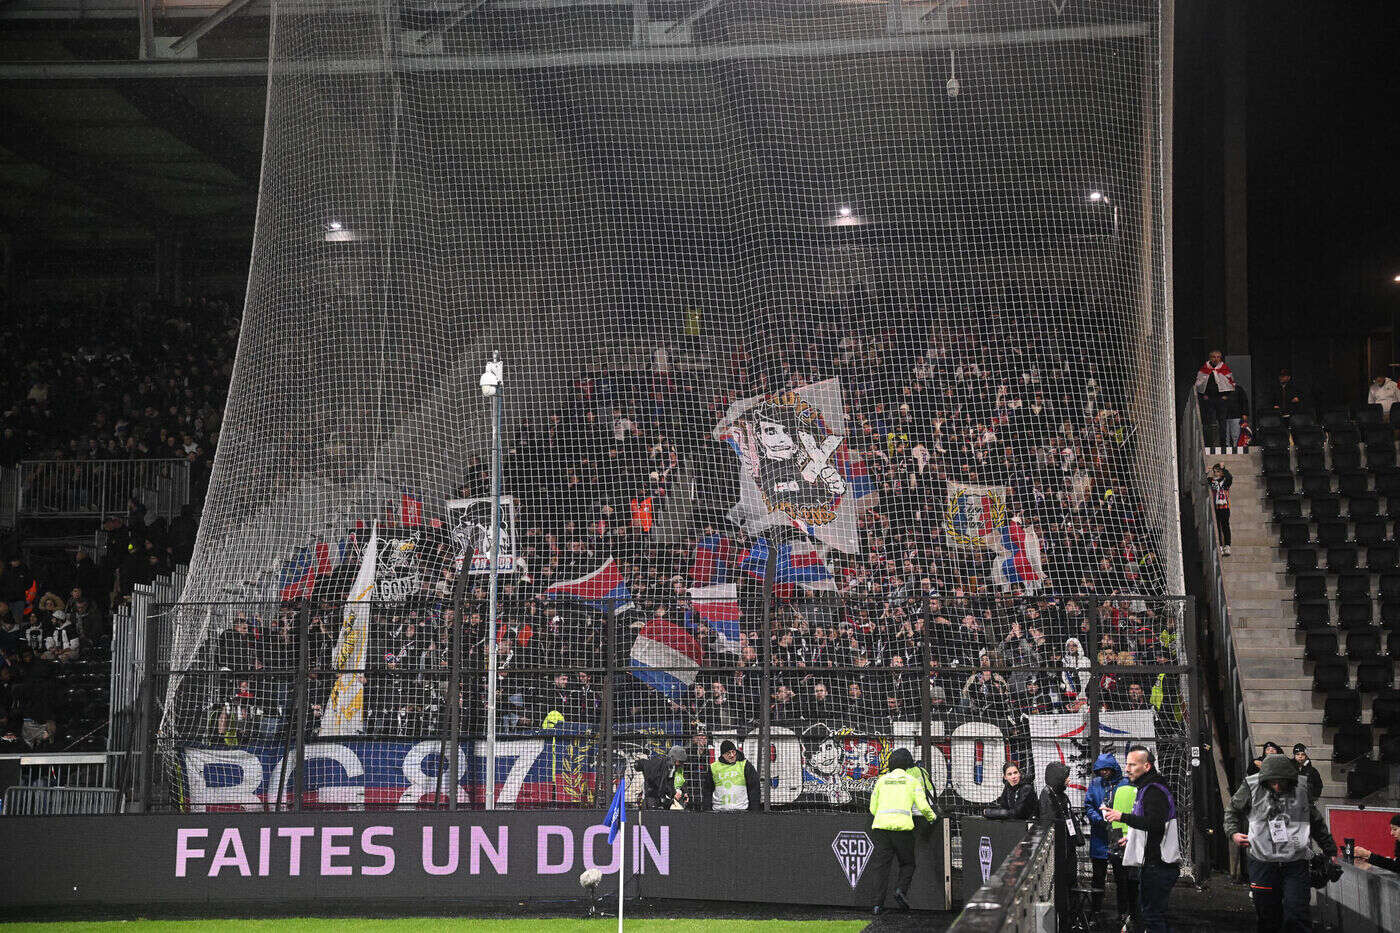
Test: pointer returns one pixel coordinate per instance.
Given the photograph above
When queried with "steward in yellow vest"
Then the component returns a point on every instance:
(898, 795)
(731, 783)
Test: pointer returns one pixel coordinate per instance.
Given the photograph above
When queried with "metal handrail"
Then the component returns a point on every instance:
(1008, 902)
(99, 488)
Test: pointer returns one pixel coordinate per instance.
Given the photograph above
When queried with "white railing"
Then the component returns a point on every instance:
(99, 488)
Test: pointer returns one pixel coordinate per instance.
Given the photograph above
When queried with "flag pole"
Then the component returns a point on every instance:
(622, 864)
(493, 552)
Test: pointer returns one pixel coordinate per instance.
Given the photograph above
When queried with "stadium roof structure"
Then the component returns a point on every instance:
(125, 125)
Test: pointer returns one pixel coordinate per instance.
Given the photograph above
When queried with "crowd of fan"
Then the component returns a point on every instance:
(93, 386)
(627, 469)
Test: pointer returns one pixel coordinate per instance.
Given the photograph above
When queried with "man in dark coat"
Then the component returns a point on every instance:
(1055, 810)
(1307, 772)
(664, 779)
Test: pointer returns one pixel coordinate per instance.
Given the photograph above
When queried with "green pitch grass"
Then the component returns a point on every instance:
(407, 924)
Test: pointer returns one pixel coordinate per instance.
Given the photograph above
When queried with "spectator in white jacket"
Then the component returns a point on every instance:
(1215, 388)
(1384, 392)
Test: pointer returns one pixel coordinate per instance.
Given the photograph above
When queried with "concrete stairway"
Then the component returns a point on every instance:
(1277, 682)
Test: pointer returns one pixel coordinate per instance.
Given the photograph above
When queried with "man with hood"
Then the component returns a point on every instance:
(730, 783)
(1055, 809)
(897, 796)
(1274, 815)
(1108, 777)
(664, 780)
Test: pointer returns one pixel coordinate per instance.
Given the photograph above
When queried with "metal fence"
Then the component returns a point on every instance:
(98, 488)
(966, 684)
(61, 769)
(61, 801)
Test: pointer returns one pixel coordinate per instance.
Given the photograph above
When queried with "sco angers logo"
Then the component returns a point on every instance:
(789, 451)
(852, 849)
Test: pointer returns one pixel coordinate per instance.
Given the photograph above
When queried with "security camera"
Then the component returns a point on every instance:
(492, 377)
(953, 87)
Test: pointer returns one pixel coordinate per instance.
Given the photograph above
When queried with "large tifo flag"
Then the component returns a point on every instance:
(798, 562)
(666, 657)
(718, 608)
(1063, 737)
(603, 589)
(345, 710)
(791, 452)
(1018, 557)
(973, 515)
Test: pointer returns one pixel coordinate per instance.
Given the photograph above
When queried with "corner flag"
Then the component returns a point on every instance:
(616, 818)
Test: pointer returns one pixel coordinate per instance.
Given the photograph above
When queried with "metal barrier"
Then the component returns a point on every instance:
(61, 801)
(1016, 895)
(99, 488)
(58, 769)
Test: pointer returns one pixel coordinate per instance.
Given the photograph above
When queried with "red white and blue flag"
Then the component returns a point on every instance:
(718, 608)
(666, 657)
(1018, 556)
(603, 589)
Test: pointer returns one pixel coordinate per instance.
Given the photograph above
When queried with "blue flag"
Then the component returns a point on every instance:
(617, 811)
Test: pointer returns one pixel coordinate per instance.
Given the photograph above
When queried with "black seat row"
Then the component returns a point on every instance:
(1313, 585)
(1339, 424)
(1369, 532)
(1352, 615)
(1321, 644)
(1356, 741)
(1342, 706)
(1341, 558)
(1328, 506)
(1320, 484)
(1344, 458)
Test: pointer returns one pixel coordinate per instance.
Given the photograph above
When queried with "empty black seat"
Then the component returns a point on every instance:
(1354, 614)
(1389, 748)
(1325, 507)
(1352, 743)
(1293, 532)
(1331, 675)
(1307, 433)
(1380, 557)
(1342, 558)
(1392, 645)
(1388, 481)
(1317, 484)
(1301, 560)
(1310, 586)
(1370, 531)
(1354, 483)
(1277, 461)
(1375, 676)
(1354, 586)
(1345, 457)
(1363, 646)
(1385, 709)
(1287, 507)
(1341, 708)
(1390, 615)
(1394, 417)
(1390, 586)
(1333, 531)
(1320, 644)
(1313, 612)
(1374, 434)
(1312, 461)
(1366, 777)
(1367, 506)
(1280, 485)
(1380, 456)
(1369, 414)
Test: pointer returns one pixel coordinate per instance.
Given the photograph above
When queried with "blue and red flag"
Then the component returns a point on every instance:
(711, 564)
(718, 608)
(798, 563)
(603, 589)
(299, 575)
(1018, 555)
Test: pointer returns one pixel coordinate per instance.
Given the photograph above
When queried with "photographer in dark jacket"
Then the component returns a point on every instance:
(1380, 861)
(1055, 810)
(1017, 800)
(664, 780)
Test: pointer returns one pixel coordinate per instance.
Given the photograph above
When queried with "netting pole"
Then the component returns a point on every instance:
(765, 709)
(1095, 675)
(494, 576)
(926, 695)
(454, 688)
(605, 732)
(300, 705)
